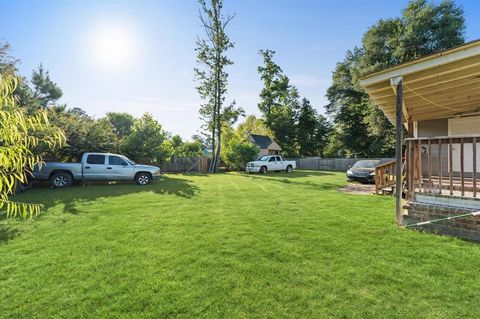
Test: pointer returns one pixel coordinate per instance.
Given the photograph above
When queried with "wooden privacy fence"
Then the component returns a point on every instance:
(330, 164)
(198, 164)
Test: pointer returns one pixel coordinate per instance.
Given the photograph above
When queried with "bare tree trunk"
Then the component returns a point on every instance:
(212, 163)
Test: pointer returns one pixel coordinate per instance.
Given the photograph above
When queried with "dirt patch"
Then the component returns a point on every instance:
(359, 189)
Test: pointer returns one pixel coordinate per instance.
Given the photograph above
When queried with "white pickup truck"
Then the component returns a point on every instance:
(270, 163)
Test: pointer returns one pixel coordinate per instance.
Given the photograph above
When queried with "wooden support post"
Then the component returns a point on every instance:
(410, 166)
(411, 171)
(440, 173)
(450, 164)
(421, 189)
(462, 166)
(429, 166)
(474, 149)
(398, 83)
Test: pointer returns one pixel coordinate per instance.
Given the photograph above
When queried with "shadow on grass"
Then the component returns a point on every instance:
(91, 191)
(291, 179)
(7, 232)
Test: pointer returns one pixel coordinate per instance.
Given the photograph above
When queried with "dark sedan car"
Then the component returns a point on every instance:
(363, 171)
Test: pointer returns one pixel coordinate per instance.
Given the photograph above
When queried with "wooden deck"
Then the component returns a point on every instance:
(439, 165)
(442, 186)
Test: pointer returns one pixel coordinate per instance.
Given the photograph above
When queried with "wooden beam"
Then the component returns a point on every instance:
(410, 171)
(429, 166)
(446, 98)
(404, 107)
(420, 167)
(398, 149)
(450, 164)
(474, 169)
(471, 64)
(453, 108)
(456, 74)
(437, 84)
(440, 171)
(439, 115)
(439, 87)
(430, 62)
(462, 166)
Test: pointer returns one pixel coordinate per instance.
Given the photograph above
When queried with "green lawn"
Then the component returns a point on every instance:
(229, 246)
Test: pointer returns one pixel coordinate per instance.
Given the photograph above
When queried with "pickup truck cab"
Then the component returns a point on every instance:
(96, 167)
(270, 163)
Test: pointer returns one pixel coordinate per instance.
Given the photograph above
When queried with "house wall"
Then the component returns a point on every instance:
(449, 127)
(435, 206)
(263, 151)
(273, 152)
(432, 128)
(468, 125)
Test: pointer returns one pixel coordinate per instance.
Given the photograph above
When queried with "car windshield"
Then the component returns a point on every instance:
(367, 164)
(264, 158)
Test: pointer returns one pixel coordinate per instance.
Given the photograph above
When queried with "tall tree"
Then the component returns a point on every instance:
(145, 143)
(279, 102)
(211, 74)
(322, 133)
(122, 123)
(347, 107)
(306, 129)
(45, 91)
(423, 28)
(252, 125)
(270, 74)
(8, 64)
(83, 134)
(238, 152)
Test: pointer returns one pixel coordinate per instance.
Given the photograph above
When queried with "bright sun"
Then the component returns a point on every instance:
(113, 46)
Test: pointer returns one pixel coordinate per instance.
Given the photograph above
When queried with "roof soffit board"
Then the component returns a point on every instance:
(428, 62)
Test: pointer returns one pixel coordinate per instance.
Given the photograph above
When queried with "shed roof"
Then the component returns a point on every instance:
(441, 85)
(262, 141)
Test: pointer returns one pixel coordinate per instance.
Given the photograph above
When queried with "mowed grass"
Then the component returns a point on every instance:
(229, 246)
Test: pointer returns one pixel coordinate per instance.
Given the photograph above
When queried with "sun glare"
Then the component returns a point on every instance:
(113, 46)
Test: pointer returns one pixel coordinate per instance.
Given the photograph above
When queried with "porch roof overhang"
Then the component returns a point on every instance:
(441, 85)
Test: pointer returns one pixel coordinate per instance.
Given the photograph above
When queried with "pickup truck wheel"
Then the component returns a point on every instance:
(289, 169)
(142, 179)
(263, 170)
(59, 180)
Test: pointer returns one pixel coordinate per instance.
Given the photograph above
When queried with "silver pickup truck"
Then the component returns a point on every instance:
(96, 167)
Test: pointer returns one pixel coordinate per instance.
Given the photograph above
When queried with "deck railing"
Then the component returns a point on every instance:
(443, 165)
(384, 176)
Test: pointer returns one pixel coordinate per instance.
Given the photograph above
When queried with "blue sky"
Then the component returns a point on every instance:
(156, 39)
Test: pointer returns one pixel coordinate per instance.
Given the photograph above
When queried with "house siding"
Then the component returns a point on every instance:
(433, 128)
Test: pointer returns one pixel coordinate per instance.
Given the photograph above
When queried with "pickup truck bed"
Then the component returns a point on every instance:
(44, 173)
